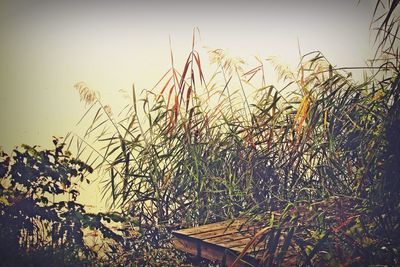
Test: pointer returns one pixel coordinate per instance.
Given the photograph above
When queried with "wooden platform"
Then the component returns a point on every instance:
(221, 242)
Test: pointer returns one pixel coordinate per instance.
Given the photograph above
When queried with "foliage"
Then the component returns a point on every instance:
(321, 152)
(41, 223)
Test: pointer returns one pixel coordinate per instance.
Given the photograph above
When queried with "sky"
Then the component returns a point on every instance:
(47, 46)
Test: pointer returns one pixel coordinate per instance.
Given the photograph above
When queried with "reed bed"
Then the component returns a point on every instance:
(322, 151)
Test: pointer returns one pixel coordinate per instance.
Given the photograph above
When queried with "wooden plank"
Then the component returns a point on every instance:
(222, 241)
(211, 227)
(235, 243)
(211, 252)
(185, 245)
(257, 251)
(223, 232)
(229, 237)
(253, 248)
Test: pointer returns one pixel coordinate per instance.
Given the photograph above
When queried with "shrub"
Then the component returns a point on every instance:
(41, 223)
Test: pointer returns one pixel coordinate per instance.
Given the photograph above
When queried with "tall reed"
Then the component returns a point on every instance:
(319, 152)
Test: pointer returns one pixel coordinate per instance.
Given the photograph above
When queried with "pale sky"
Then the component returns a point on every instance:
(47, 46)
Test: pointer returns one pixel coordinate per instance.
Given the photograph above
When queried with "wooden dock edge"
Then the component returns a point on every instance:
(210, 251)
